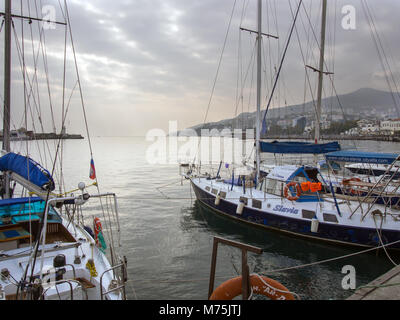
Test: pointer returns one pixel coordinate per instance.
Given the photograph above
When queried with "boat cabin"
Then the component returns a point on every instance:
(303, 183)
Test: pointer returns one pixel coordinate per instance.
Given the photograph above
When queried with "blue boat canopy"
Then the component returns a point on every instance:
(362, 157)
(298, 147)
(12, 201)
(28, 169)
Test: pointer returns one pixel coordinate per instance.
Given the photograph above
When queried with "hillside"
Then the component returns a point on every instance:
(364, 103)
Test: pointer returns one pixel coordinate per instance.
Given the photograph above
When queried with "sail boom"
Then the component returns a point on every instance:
(298, 147)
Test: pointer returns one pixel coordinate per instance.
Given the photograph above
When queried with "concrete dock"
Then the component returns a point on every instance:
(386, 287)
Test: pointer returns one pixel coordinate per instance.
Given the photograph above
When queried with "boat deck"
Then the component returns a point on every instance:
(386, 287)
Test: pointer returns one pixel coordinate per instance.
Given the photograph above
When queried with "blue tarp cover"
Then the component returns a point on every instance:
(28, 169)
(25, 209)
(7, 202)
(298, 147)
(362, 157)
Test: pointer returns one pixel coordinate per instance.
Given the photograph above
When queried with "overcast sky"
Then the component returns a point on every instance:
(144, 63)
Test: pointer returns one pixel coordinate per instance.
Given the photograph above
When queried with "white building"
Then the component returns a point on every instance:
(390, 126)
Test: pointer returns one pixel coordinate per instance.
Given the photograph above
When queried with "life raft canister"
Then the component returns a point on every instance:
(305, 186)
(259, 285)
(286, 191)
(315, 186)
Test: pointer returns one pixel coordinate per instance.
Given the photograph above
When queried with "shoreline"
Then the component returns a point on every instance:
(336, 137)
(310, 138)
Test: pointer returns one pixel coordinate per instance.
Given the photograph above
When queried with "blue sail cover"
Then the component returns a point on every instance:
(362, 157)
(298, 147)
(28, 169)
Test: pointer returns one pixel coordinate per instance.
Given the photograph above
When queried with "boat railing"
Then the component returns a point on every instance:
(115, 285)
(58, 282)
(246, 286)
(111, 223)
(108, 215)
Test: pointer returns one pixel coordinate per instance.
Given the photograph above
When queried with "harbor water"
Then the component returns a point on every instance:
(167, 237)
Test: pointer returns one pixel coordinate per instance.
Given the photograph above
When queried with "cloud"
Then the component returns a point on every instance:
(143, 63)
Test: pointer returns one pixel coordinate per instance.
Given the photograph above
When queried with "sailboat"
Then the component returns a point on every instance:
(291, 198)
(48, 249)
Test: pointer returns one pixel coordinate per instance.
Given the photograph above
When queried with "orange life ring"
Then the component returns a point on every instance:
(259, 285)
(97, 228)
(351, 190)
(286, 191)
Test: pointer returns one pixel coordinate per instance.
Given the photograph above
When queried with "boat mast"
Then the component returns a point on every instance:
(321, 72)
(258, 93)
(7, 74)
(7, 90)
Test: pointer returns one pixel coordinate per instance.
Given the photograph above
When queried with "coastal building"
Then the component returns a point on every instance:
(390, 126)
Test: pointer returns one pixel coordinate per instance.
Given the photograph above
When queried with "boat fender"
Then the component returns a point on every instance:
(259, 285)
(240, 207)
(217, 200)
(314, 225)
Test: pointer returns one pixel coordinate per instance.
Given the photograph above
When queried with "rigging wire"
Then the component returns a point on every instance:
(281, 63)
(381, 54)
(329, 75)
(109, 235)
(217, 73)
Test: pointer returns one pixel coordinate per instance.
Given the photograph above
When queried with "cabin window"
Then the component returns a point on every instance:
(244, 200)
(208, 188)
(308, 214)
(256, 203)
(299, 178)
(328, 217)
(271, 185)
(222, 194)
(275, 187)
(214, 191)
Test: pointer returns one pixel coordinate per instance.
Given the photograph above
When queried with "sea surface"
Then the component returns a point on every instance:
(167, 237)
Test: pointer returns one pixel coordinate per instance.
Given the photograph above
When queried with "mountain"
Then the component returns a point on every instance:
(365, 103)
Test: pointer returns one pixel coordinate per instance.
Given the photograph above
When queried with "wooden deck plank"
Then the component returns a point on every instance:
(385, 287)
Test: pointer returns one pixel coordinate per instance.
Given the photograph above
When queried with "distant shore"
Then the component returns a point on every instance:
(337, 137)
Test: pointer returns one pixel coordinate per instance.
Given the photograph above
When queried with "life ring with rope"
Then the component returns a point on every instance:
(97, 229)
(346, 182)
(259, 285)
(286, 191)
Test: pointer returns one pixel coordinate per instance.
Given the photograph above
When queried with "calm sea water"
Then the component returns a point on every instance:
(168, 238)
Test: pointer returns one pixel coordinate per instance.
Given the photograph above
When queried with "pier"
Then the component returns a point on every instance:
(386, 287)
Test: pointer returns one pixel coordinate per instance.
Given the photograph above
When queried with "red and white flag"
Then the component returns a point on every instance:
(92, 173)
